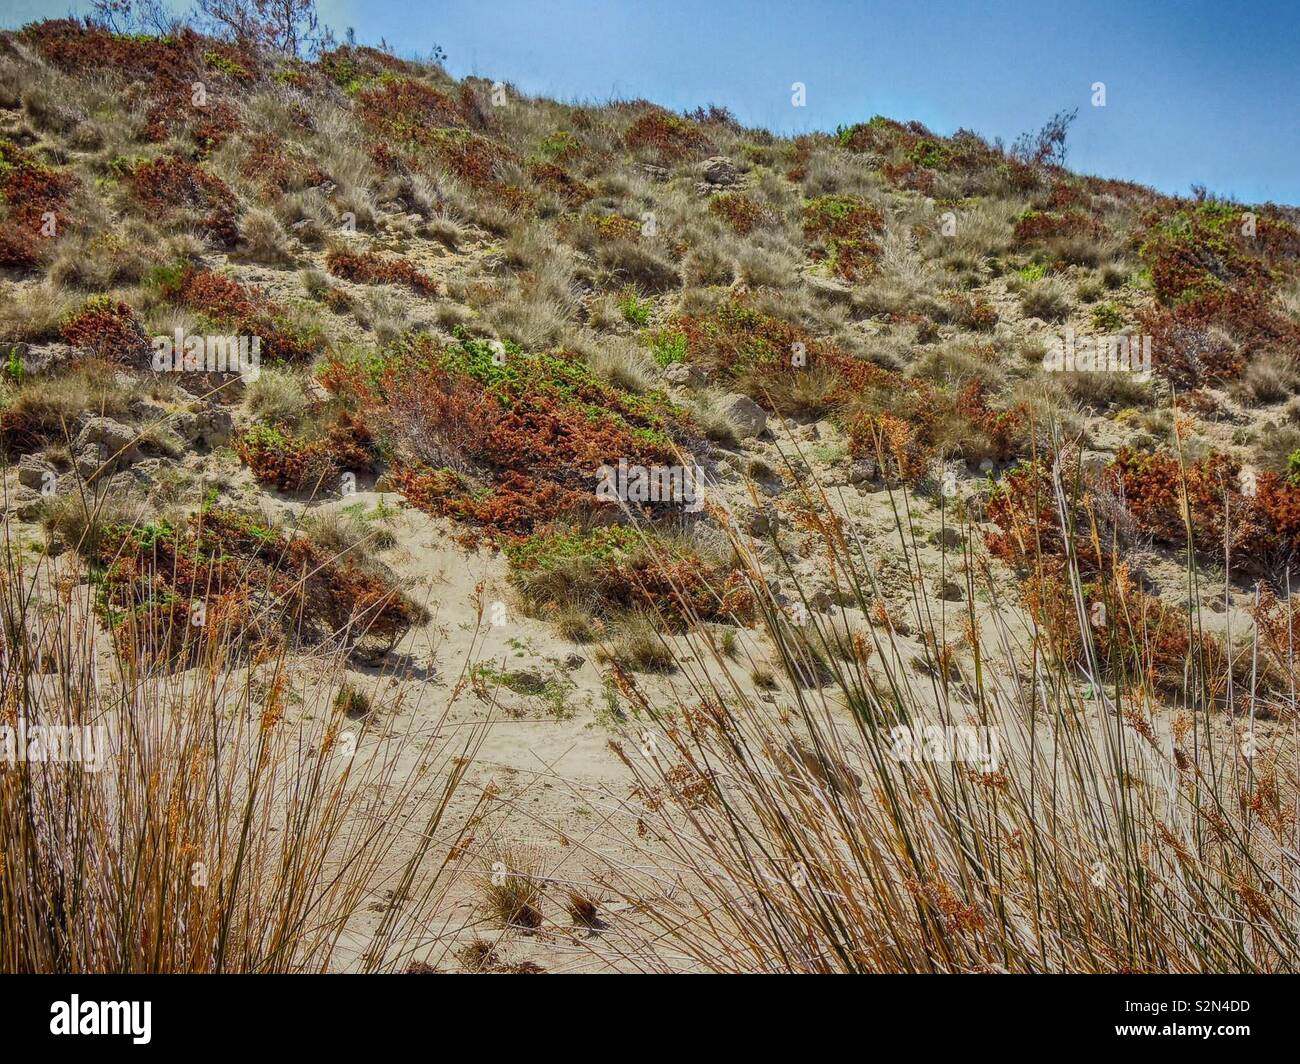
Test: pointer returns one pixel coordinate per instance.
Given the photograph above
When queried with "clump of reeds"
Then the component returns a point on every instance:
(236, 819)
(1113, 830)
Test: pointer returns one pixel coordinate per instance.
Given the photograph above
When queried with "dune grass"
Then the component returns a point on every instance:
(239, 818)
(1110, 830)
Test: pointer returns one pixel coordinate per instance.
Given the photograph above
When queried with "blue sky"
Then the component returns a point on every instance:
(1196, 92)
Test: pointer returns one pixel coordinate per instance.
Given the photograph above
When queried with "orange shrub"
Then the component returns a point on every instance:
(29, 192)
(366, 267)
(172, 183)
(106, 329)
(169, 589)
(666, 136)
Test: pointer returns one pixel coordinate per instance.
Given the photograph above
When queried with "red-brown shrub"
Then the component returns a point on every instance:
(1039, 226)
(28, 193)
(248, 585)
(741, 212)
(172, 183)
(161, 71)
(296, 464)
(666, 136)
(228, 304)
(278, 166)
(108, 330)
(366, 267)
(1212, 336)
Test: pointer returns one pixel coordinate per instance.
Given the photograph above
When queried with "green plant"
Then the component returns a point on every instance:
(352, 702)
(667, 346)
(1107, 317)
(635, 310)
(512, 889)
(14, 368)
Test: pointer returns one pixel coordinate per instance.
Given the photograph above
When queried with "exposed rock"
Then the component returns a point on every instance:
(681, 374)
(946, 537)
(1094, 461)
(748, 417)
(25, 504)
(146, 410)
(40, 360)
(122, 486)
(91, 461)
(821, 600)
(209, 426)
(949, 590)
(719, 171)
(830, 289)
(147, 469)
(114, 441)
(34, 472)
(222, 387)
(761, 522)
(862, 471)
(370, 649)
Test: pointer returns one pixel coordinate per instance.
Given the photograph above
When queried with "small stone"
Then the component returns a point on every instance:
(719, 170)
(862, 471)
(821, 600)
(1094, 461)
(748, 417)
(949, 590)
(33, 472)
(370, 649)
(682, 374)
(114, 441)
(761, 522)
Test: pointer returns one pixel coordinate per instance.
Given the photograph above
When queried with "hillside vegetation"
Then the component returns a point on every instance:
(467, 302)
